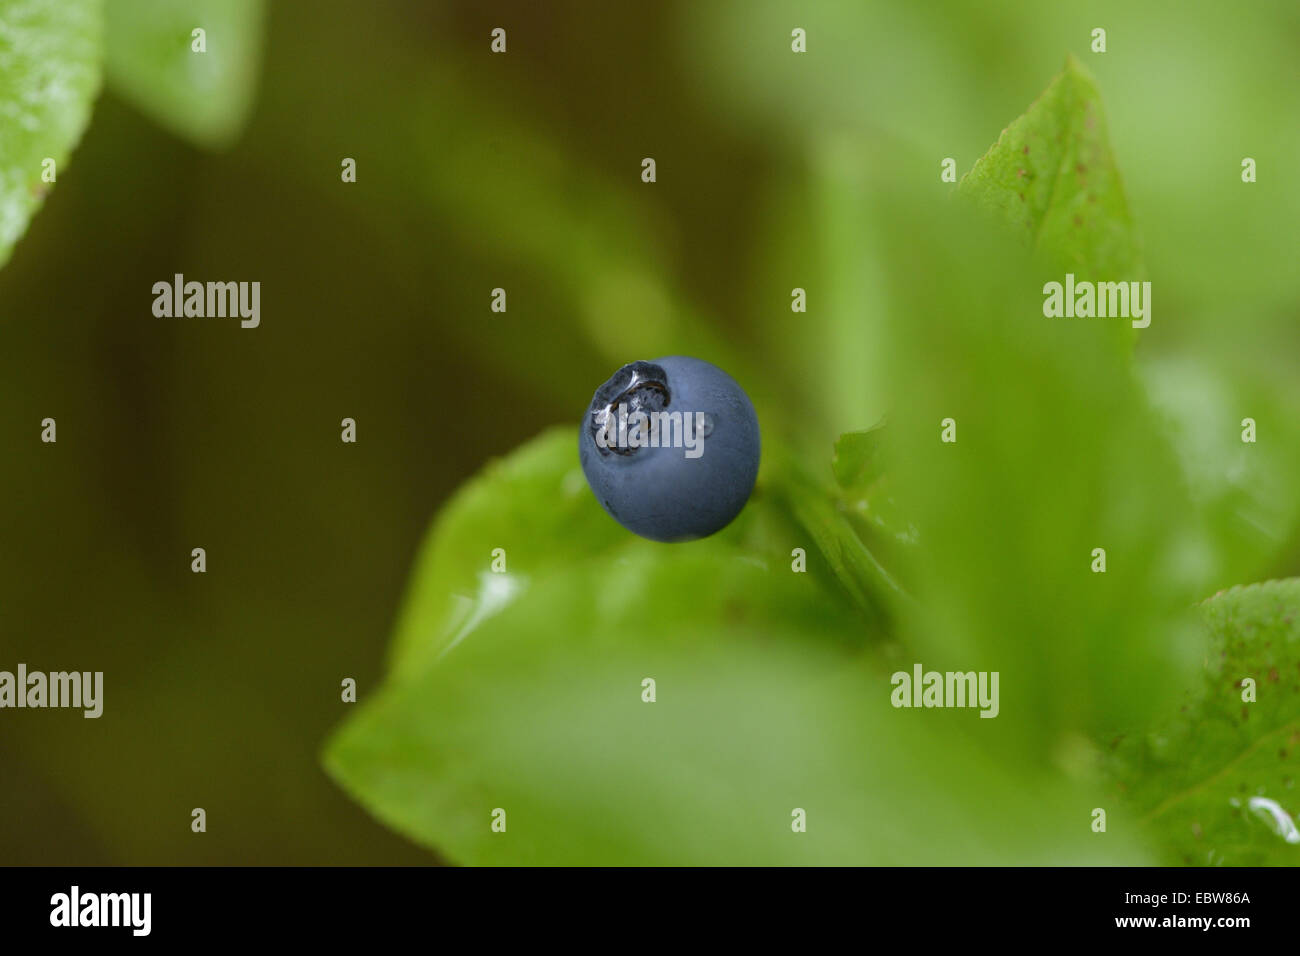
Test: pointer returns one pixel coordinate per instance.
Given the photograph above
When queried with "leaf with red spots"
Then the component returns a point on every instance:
(1052, 175)
(1218, 784)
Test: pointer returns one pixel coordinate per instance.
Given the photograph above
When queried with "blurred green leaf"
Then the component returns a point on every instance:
(865, 495)
(1052, 175)
(535, 505)
(1056, 455)
(841, 334)
(204, 97)
(49, 76)
(1217, 783)
(1244, 490)
(548, 724)
(859, 462)
(537, 708)
(813, 505)
(523, 691)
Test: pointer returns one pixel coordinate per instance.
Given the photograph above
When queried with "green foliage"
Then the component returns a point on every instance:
(536, 507)
(864, 492)
(521, 690)
(1193, 777)
(203, 97)
(49, 77)
(831, 522)
(1052, 175)
(777, 170)
(1057, 453)
(52, 54)
(1245, 491)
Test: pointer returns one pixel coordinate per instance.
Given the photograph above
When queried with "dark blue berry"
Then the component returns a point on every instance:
(670, 448)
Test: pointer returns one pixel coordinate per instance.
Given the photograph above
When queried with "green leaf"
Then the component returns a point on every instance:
(523, 690)
(536, 507)
(1217, 783)
(841, 332)
(858, 462)
(821, 516)
(539, 712)
(203, 97)
(837, 523)
(1052, 175)
(1244, 490)
(865, 490)
(49, 77)
(1056, 455)
(1057, 452)
(550, 726)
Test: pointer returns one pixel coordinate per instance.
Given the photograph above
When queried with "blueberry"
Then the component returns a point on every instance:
(670, 448)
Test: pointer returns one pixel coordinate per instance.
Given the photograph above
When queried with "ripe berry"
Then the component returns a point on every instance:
(670, 448)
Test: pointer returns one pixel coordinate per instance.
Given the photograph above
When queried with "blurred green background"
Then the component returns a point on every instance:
(523, 171)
